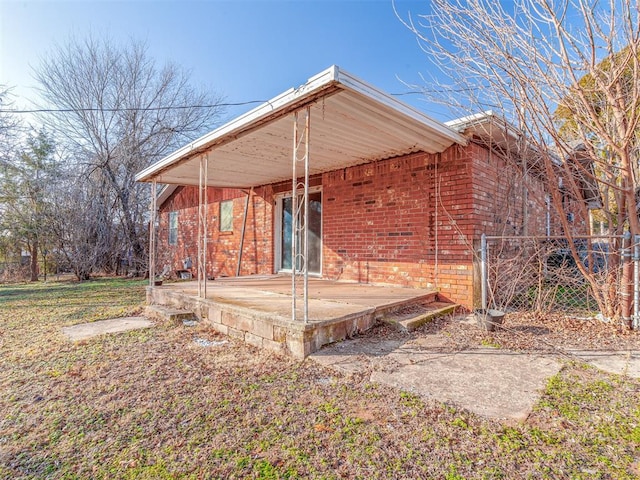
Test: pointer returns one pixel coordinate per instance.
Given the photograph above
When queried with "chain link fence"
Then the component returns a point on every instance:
(542, 274)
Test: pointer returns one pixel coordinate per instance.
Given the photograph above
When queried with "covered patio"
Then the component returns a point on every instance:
(332, 122)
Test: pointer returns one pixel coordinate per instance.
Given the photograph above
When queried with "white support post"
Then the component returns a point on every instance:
(202, 226)
(294, 221)
(152, 232)
(300, 213)
(305, 273)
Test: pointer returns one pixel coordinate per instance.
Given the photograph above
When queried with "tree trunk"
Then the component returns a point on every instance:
(34, 262)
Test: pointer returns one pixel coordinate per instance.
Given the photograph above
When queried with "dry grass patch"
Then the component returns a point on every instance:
(153, 404)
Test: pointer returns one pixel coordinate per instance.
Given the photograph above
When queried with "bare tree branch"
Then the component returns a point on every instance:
(565, 72)
(120, 113)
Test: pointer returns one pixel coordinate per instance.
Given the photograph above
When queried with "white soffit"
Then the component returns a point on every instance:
(165, 193)
(351, 123)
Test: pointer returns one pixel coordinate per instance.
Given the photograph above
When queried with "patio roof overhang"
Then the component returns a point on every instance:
(351, 123)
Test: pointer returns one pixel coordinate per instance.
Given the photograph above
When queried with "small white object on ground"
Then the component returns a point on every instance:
(209, 343)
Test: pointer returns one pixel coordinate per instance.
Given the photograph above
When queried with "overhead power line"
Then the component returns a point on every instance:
(128, 109)
(185, 107)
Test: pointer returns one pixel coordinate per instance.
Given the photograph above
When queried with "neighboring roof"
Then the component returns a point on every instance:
(489, 127)
(495, 131)
(351, 123)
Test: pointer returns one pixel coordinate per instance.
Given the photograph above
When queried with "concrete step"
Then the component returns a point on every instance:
(414, 316)
(169, 314)
(391, 308)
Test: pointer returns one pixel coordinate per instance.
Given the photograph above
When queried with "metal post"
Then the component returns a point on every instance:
(152, 233)
(483, 270)
(636, 282)
(300, 214)
(294, 211)
(202, 226)
(626, 279)
(305, 261)
(244, 228)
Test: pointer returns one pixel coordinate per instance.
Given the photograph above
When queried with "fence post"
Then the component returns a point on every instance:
(483, 270)
(636, 282)
(626, 280)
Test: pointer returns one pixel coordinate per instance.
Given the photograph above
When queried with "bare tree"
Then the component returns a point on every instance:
(118, 112)
(565, 72)
(9, 130)
(10, 126)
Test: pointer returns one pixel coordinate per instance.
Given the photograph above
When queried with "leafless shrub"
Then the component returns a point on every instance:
(541, 275)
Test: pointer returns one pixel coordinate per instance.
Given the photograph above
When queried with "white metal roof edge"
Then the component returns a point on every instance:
(488, 116)
(358, 85)
(465, 122)
(332, 75)
(286, 98)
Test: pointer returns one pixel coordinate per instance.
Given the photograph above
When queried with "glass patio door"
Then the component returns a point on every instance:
(315, 233)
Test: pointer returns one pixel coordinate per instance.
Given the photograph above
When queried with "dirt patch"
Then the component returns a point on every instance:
(536, 333)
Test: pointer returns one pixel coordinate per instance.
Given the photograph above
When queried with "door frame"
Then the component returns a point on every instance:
(277, 239)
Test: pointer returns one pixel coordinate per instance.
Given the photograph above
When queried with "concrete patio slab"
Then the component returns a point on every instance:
(258, 309)
(273, 292)
(487, 381)
(83, 331)
(619, 362)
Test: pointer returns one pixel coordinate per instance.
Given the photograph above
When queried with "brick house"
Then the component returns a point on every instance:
(395, 198)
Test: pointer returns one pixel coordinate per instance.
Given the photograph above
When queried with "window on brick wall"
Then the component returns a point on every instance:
(173, 228)
(226, 216)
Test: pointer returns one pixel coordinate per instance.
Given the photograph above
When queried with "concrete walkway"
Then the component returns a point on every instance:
(492, 382)
(82, 331)
(619, 362)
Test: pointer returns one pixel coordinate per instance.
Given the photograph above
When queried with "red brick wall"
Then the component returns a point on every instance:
(416, 220)
(378, 221)
(499, 196)
(392, 222)
(411, 221)
(223, 247)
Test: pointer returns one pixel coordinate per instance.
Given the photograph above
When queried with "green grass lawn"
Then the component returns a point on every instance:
(153, 404)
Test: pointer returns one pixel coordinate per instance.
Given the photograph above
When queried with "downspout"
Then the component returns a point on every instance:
(547, 201)
(626, 280)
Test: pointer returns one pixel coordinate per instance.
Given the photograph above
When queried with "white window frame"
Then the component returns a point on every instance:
(173, 240)
(279, 198)
(225, 202)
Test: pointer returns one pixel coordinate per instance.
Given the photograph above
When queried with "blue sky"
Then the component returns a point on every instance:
(243, 50)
